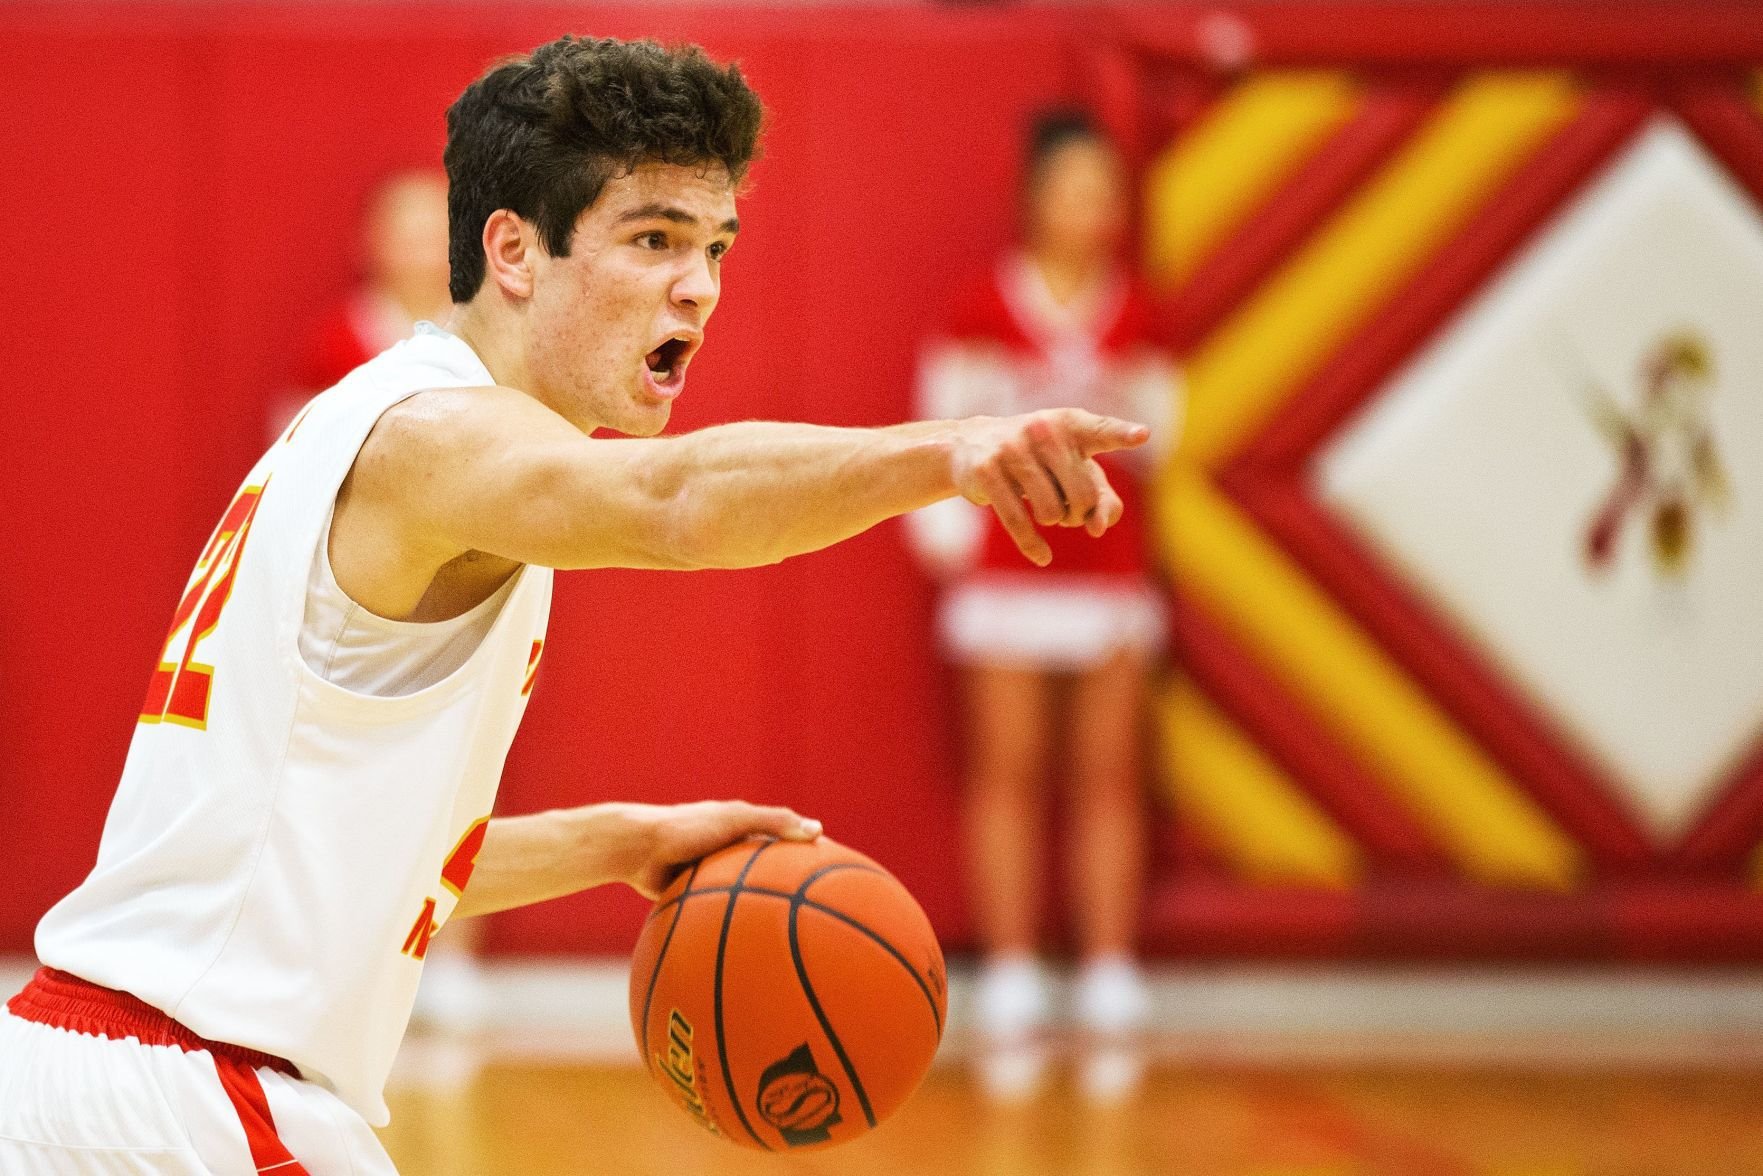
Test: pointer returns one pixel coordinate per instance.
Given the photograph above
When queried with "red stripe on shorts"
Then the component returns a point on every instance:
(62, 1001)
(268, 1152)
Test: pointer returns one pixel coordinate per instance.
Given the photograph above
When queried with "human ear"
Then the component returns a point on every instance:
(509, 243)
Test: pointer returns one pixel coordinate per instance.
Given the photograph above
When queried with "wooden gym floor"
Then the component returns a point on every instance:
(558, 1119)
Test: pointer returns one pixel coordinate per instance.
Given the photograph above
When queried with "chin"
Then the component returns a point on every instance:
(645, 420)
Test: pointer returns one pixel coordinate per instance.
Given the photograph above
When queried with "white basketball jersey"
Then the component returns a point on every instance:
(281, 849)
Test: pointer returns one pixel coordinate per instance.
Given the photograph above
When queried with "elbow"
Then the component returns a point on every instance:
(700, 540)
(687, 545)
(698, 534)
(685, 536)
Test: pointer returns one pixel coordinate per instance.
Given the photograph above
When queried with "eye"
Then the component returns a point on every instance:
(653, 240)
(717, 250)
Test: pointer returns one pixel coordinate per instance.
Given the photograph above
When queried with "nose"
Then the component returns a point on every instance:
(698, 286)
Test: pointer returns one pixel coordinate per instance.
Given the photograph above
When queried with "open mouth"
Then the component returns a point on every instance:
(668, 360)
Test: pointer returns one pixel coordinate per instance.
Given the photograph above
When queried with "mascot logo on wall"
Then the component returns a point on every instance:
(1549, 473)
(1669, 468)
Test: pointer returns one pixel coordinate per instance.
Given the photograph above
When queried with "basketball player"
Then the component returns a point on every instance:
(306, 796)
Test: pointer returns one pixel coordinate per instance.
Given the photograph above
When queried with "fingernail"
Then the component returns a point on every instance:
(810, 829)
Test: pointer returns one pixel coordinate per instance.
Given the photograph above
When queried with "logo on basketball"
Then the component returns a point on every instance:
(797, 1099)
(680, 1069)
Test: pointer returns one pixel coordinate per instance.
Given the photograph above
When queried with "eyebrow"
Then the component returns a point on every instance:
(679, 216)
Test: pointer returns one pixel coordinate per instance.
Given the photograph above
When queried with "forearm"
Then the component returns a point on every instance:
(504, 475)
(755, 493)
(546, 855)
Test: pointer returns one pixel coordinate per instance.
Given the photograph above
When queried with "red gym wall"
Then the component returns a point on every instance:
(182, 184)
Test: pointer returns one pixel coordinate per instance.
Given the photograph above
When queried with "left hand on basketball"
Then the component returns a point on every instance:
(658, 841)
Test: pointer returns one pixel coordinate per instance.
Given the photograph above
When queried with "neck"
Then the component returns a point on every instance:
(1067, 274)
(496, 339)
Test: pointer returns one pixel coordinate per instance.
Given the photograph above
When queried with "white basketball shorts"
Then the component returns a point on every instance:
(96, 1083)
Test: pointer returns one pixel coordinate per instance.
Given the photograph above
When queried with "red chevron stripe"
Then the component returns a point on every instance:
(1267, 479)
(1385, 121)
(1723, 841)
(1286, 731)
(1190, 851)
(1415, 312)
(1518, 736)
(1728, 126)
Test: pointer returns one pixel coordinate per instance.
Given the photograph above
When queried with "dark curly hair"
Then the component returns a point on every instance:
(542, 133)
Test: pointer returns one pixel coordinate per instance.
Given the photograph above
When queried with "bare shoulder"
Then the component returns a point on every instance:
(453, 421)
(390, 535)
(450, 432)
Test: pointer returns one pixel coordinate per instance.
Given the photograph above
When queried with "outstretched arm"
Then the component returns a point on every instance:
(491, 470)
(547, 855)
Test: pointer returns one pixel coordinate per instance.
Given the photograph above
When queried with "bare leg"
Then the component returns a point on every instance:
(1108, 838)
(1005, 829)
(1005, 823)
(1107, 873)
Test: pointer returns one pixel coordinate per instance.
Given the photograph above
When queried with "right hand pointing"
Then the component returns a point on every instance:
(1045, 459)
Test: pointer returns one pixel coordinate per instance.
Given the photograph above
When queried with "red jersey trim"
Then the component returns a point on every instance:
(63, 1001)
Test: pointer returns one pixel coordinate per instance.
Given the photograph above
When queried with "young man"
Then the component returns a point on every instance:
(308, 792)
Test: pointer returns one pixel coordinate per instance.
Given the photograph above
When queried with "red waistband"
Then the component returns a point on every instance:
(61, 1001)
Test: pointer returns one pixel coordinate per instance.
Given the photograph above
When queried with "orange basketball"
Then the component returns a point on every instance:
(787, 995)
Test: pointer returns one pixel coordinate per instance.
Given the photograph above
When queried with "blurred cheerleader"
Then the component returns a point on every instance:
(1056, 659)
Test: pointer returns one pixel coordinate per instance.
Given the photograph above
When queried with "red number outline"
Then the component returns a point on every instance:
(178, 692)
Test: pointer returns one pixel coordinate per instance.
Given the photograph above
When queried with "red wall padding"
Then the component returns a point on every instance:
(180, 187)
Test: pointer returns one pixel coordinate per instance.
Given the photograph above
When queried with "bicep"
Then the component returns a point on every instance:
(492, 470)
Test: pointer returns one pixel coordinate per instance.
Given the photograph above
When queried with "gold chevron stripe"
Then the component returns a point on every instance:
(1206, 183)
(1487, 824)
(1257, 357)
(1252, 811)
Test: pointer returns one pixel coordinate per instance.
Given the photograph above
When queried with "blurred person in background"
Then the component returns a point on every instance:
(1054, 659)
(403, 279)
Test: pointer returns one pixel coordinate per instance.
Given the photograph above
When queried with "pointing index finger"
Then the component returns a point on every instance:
(1103, 434)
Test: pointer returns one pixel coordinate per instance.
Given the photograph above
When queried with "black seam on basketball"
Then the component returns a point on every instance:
(691, 877)
(655, 973)
(797, 897)
(826, 1026)
(802, 890)
(661, 908)
(801, 896)
(728, 918)
(842, 917)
